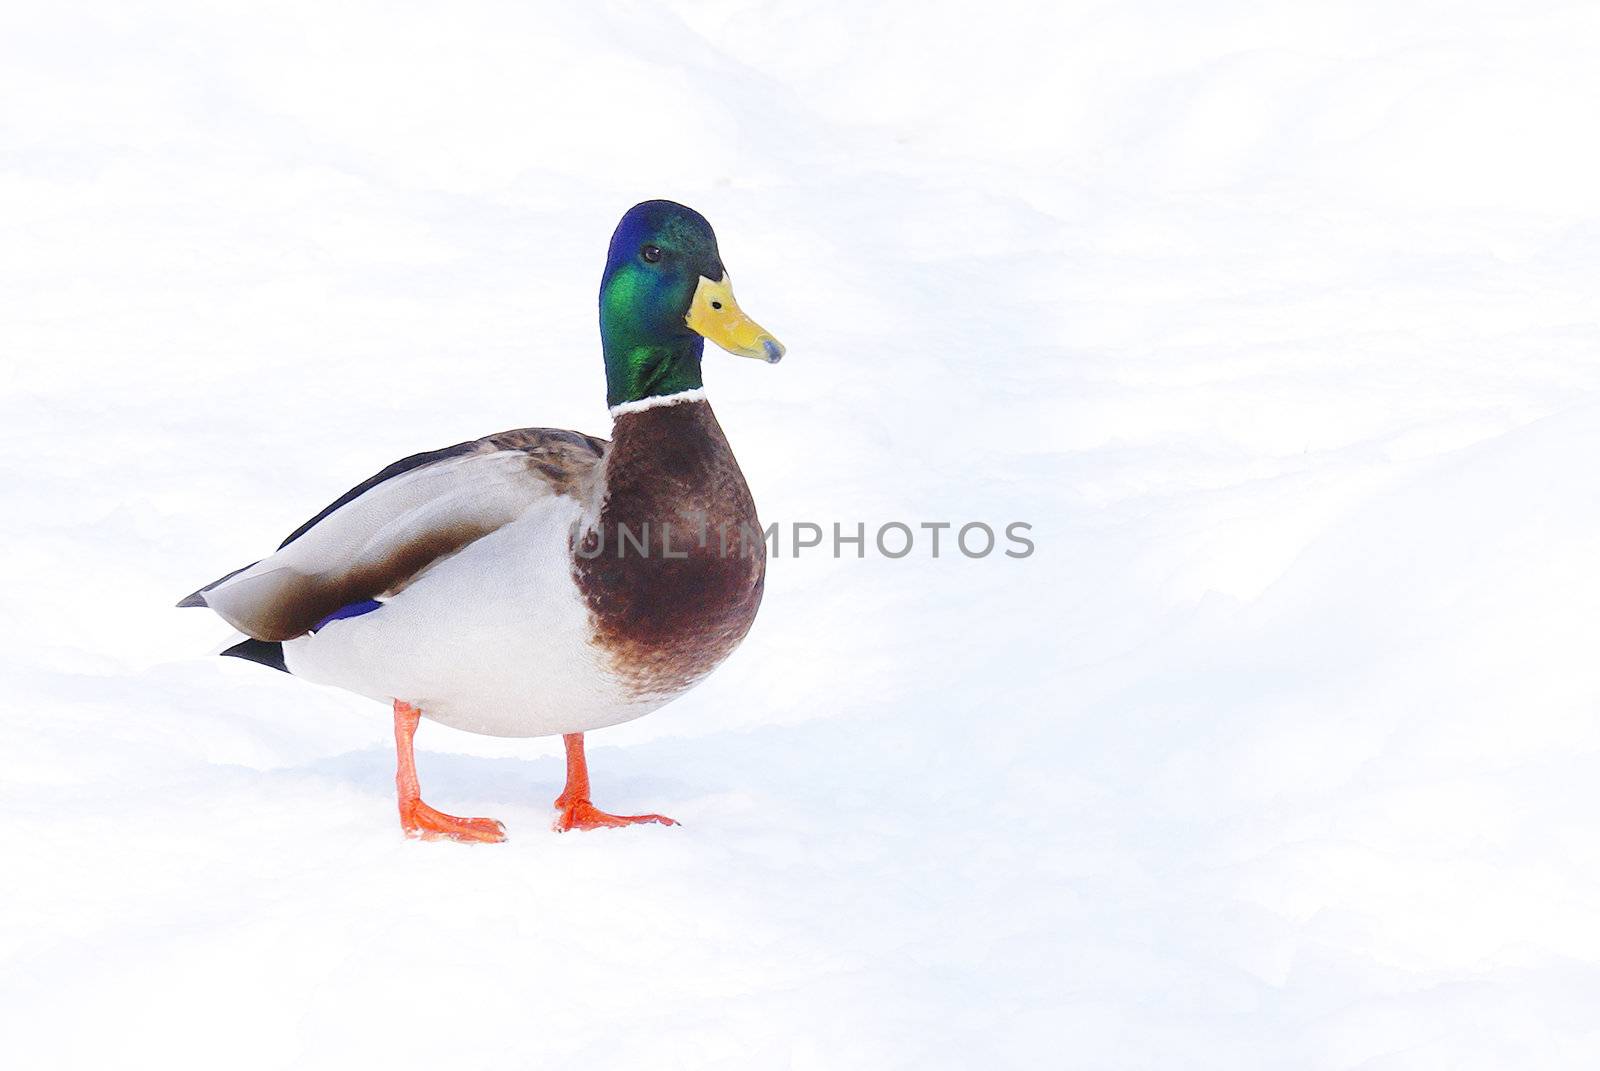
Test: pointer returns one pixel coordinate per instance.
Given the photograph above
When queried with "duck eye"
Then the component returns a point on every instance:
(650, 253)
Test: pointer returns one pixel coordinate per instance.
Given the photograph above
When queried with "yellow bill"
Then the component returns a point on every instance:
(714, 314)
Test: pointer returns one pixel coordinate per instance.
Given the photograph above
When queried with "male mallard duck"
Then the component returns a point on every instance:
(538, 581)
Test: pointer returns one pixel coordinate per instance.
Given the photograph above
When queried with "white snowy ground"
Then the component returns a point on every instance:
(1277, 322)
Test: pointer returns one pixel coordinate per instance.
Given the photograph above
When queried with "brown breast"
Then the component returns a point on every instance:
(672, 571)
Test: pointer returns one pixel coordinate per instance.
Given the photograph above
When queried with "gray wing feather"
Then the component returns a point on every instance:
(386, 531)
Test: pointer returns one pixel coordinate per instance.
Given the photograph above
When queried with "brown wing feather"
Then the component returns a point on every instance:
(388, 530)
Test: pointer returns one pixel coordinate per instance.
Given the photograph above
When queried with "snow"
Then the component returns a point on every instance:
(1276, 322)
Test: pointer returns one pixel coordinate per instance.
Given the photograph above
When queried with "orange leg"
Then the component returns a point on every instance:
(416, 817)
(573, 803)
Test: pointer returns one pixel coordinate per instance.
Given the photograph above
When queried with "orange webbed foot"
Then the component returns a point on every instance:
(581, 814)
(420, 820)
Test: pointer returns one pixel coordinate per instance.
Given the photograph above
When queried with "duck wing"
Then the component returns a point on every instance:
(388, 530)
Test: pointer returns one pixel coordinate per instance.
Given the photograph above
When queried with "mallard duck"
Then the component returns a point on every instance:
(539, 582)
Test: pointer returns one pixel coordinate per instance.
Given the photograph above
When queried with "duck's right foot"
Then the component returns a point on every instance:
(581, 814)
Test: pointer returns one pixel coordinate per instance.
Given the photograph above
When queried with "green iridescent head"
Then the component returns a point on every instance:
(663, 293)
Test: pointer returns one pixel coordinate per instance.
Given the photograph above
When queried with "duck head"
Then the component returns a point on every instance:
(663, 293)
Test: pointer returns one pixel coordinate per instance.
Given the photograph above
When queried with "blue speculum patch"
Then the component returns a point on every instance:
(355, 609)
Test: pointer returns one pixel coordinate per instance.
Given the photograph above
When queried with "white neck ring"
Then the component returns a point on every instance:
(698, 394)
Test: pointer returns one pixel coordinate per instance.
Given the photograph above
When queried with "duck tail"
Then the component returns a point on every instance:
(198, 598)
(261, 652)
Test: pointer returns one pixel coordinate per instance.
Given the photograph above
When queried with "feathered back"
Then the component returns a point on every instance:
(385, 532)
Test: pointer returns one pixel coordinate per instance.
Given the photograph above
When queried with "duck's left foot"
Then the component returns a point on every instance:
(424, 823)
(417, 818)
(581, 814)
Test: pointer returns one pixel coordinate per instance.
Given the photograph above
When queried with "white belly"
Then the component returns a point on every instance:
(495, 640)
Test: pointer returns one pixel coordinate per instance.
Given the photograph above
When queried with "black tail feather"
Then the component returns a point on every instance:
(267, 654)
(198, 598)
